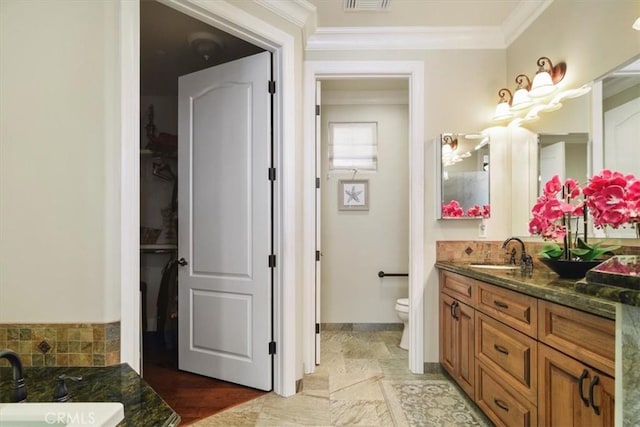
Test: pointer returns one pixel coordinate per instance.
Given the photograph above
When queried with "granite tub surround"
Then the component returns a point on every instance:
(118, 383)
(540, 283)
(69, 344)
(629, 350)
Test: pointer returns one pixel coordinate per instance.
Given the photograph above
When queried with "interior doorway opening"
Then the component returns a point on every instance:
(414, 72)
(362, 219)
(172, 44)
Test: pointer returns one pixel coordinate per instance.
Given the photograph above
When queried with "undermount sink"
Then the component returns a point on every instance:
(495, 266)
(69, 414)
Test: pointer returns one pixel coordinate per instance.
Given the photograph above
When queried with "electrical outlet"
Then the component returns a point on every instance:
(482, 230)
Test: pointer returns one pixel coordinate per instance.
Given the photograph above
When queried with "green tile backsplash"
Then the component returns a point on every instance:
(68, 344)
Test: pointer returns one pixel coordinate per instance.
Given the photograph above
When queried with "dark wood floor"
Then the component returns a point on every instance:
(193, 397)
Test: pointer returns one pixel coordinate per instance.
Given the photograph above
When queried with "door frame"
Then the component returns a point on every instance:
(229, 18)
(414, 72)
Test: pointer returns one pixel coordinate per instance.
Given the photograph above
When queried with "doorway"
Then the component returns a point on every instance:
(226, 17)
(363, 158)
(189, 46)
(413, 71)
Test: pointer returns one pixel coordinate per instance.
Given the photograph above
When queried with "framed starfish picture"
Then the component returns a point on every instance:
(353, 194)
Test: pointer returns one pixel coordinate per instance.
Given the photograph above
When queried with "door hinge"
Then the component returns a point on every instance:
(317, 182)
(317, 328)
(317, 255)
(272, 347)
(317, 110)
(272, 174)
(272, 86)
(272, 261)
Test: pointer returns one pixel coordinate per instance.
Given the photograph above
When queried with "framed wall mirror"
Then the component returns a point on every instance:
(464, 175)
(596, 131)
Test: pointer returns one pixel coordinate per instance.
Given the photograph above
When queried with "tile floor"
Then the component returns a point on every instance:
(344, 390)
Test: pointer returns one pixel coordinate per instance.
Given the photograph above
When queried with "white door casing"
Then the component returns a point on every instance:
(224, 232)
(227, 17)
(318, 218)
(414, 72)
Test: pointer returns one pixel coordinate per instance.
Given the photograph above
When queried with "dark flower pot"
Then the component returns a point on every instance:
(570, 269)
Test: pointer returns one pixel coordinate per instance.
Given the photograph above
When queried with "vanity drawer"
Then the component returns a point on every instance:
(459, 287)
(503, 405)
(513, 308)
(584, 336)
(509, 353)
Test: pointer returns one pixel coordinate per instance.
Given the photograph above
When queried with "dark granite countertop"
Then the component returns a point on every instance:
(541, 283)
(617, 280)
(118, 383)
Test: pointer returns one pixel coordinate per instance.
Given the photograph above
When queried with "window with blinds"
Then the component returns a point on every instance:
(353, 146)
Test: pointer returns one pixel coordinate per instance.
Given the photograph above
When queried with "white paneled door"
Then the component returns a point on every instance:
(225, 229)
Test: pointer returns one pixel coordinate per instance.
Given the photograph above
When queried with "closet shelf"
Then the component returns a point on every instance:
(159, 248)
(145, 152)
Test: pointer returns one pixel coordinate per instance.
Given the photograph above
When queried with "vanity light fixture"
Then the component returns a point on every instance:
(547, 77)
(450, 142)
(521, 99)
(503, 109)
(636, 25)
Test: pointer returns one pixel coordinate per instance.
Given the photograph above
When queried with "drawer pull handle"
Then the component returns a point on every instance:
(501, 404)
(584, 375)
(594, 382)
(500, 304)
(454, 305)
(501, 349)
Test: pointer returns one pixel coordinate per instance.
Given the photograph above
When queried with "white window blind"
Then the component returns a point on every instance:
(353, 146)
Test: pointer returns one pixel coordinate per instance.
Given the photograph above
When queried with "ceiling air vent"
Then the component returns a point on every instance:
(366, 5)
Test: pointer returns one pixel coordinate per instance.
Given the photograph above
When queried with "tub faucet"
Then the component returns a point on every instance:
(19, 388)
(525, 260)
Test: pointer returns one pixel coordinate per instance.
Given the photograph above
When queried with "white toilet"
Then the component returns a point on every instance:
(402, 308)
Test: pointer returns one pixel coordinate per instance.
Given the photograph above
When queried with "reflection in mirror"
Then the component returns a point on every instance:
(609, 119)
(464, 176)
(564, 155)
(621, 128)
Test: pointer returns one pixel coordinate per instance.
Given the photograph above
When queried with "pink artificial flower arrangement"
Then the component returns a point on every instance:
(452, 210)
(613, 199)
(550, 213)
(561, 202)
(477, 211)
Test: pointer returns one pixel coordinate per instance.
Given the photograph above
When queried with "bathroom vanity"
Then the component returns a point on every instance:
(118, 383)
(528, 348)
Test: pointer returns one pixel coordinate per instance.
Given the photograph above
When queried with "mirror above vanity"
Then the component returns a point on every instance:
(464, 175)
(590, 133)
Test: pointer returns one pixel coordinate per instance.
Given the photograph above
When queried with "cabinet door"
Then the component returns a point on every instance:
(571, 393)
(457, 342)
(447, 334)
(465, 347)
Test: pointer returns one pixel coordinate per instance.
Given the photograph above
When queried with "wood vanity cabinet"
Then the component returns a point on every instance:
(576, 376)
(457, 320)
(571, 393)
(525, 361)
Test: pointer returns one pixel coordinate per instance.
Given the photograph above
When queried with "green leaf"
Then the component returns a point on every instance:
(551, 251)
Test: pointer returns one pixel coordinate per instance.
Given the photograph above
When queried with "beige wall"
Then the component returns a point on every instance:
(357, 244)
(59, 173)
(592, 37)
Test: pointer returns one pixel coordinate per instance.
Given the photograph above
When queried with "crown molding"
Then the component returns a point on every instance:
(406, 38)
(519, 20)
(297, 12)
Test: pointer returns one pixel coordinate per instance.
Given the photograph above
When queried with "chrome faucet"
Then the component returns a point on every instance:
(19, 388)
(525, 259)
